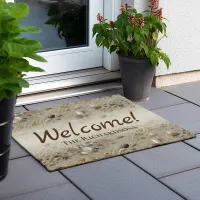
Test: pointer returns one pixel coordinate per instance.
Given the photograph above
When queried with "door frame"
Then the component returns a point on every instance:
(111, 11)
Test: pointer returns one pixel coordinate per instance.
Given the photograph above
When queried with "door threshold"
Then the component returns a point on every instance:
(69, 80)
(67, 93)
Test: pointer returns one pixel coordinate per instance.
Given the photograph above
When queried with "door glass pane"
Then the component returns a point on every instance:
(64, 23)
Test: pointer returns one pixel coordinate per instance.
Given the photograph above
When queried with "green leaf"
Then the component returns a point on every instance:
(36, 57)
(145, 32)
(96, 29)
(20, 47)
(106, 43)
(155, 35)
(144, 46)
(113, 48)
(154, 58)
(35, 69)
(129, 30)
(165, 58)
(31, 29)
(16, 10)
(137, 38)
(99, 40)
(13, 87)
(23, 83)
(18, 65)
(159, 27)
(135, 49)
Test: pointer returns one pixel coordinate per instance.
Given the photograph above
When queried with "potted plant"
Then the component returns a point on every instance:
(13, 63)
(70, 18)
(135, 37)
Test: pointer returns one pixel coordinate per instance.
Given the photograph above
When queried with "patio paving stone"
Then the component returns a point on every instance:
(194, 142)
(186, 184)
(185, 115)
(118, 179)
(188, 91)
(160, 99)
(61, 192)
(20, 109)
(27, 175)
(50, 104)
(166, 160)
(17, 151)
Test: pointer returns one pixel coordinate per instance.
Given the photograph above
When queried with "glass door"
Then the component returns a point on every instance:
(66, 34)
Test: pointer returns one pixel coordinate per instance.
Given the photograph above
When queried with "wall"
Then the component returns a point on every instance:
(183, 41)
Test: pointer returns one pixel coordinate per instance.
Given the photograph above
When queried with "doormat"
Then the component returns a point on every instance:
(87, 131)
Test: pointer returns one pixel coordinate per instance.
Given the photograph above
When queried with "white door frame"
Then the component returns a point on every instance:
(111, 11)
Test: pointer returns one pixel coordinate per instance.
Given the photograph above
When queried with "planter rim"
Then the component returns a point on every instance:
(134, 57)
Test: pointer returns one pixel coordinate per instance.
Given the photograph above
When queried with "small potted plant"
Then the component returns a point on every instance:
(135, 37)
(13, 63)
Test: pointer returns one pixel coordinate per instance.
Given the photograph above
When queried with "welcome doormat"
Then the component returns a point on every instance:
(87, 131)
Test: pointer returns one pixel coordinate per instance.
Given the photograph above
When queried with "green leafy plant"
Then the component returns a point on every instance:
(133, 33)
(14, 50)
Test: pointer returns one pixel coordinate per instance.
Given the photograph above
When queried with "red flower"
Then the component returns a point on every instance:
(153, 5)
(159, 13)
(112, 23)
(100, 18)
(131, 18)
(122, 9)
(139, 22)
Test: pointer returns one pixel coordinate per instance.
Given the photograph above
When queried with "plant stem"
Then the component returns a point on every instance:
(160, 40)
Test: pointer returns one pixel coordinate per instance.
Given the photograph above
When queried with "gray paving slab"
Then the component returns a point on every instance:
(187, 183)
(166, 160)
(185, 115)
(61, 192)
(27, 175)
(189, 91)
(118, 179)
(17, 151)
(194, 142)
(49, 104)
(20, 109)
(101, 94)
(160, 99)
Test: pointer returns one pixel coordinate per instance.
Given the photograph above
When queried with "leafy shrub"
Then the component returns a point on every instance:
(14, 50)
(134, 34)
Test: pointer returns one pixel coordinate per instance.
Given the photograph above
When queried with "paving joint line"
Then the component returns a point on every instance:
(191, 145)
(20, 157)
(75, 185)
(169, 106)
(25, 108)
(156, 179)
(198, 167)
(24, 193)
(182, 98)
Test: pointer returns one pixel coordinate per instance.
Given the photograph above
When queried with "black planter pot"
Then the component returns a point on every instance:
(137, 77)
(6, 120)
